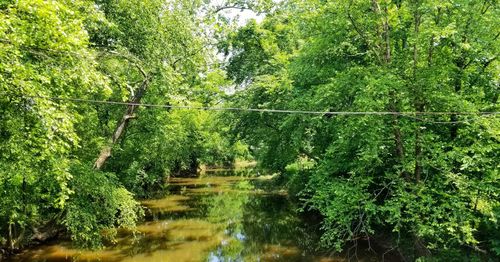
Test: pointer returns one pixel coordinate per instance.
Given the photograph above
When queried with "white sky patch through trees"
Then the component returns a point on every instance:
(242, 16)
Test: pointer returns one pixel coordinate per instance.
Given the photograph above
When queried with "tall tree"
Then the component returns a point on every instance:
(372, 175)
(44, 52)
(158, 46)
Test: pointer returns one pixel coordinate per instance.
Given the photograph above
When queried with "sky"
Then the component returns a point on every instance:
(242, 16)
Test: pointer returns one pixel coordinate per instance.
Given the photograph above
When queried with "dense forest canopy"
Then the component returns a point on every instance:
(428, 182)
(421, 176)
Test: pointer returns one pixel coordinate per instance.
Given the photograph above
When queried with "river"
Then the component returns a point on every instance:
(218, 216)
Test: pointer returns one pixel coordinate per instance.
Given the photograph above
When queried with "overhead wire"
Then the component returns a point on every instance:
(410, 115)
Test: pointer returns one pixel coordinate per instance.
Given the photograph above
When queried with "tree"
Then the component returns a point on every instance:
(156, 47)
(408, 178)
(44, 52)
(61, 61)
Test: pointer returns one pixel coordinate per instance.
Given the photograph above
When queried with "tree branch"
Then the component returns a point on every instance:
(222, 8)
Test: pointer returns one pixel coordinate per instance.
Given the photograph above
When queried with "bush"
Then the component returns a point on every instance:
(98, 205)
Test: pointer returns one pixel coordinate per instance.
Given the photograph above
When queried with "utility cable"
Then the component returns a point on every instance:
(411, 115)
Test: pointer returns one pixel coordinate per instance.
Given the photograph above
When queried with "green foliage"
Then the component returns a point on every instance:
(426, 182)
(163, 143)
(99, 50)
(161, 53)
(421, 181)
(43, 52)
(347, 207)
(98, 206)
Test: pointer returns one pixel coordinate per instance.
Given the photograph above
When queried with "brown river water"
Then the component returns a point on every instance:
(218, 216)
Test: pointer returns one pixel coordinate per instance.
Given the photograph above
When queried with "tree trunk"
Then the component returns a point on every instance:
(396, 132)
(393, 105)
(122, 125)
(193, 165)
(418, 154)
(398, 140)
(419, 101)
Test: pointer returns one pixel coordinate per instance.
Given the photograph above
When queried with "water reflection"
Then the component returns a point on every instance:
(224, 216)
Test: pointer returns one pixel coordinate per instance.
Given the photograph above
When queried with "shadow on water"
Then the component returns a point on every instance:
(218, 216)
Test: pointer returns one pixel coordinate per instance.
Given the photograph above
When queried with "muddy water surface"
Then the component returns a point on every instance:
(219, 216)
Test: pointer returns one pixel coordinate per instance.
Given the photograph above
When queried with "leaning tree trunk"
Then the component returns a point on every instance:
(122, 125)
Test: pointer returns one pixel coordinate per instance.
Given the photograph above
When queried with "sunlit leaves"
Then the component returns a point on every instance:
(43, 52)
(372, 56)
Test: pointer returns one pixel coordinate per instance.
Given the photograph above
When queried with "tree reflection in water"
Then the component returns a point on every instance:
(259, 226)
